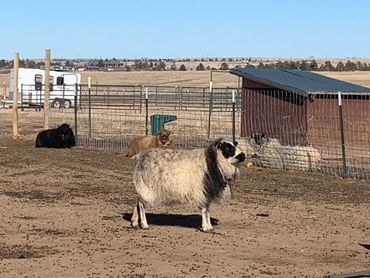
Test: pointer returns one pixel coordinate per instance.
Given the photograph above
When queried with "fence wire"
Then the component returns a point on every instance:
(110, 116)
(278, 129)
(308, 132)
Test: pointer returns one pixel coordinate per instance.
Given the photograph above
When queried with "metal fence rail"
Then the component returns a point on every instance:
(178, 98)
(310, 134)
(109, 116)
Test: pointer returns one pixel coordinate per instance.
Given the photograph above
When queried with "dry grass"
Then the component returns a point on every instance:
(162, 78)
(357, 77)
(197, 78)
(191, 78)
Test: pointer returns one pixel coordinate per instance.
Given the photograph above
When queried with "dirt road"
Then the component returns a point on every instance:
(65, 213)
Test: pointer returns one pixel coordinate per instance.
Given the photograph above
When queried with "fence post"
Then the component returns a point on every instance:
(47, 88)
(89, 83)
(15, 94)
(76, 129)
(108, 95)
(233, 113)
(80, 98)
(204, 96)
(4, 94)
(146, 111)
(22, 108)
(341, 124)
(181, 98)
(156, 96)
(210, 107)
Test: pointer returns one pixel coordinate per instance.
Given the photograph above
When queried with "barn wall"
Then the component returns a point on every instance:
(277, 113)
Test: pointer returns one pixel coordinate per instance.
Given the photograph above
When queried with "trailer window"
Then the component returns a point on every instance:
(60, 80)
(38, 82)
(51, 78)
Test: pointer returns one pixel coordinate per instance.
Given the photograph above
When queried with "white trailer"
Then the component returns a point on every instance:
(31, 83)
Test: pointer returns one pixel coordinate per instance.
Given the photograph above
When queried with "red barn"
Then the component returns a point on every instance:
(301, 107)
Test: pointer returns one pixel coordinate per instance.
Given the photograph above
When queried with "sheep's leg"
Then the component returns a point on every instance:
(143, 222)
(206, 220)
(135, 216)
(208, 216)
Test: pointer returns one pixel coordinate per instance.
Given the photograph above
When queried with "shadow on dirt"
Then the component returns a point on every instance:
(180, 220)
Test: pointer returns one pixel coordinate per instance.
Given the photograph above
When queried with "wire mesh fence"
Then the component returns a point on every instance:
(327, 131)
(110, 116)
(278, 129)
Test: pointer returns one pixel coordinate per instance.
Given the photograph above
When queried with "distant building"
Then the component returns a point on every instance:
(114, 64)
(87, 68)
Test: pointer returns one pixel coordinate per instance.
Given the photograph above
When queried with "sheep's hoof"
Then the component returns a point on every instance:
(144, 226)
(135, 225)
(208, 230)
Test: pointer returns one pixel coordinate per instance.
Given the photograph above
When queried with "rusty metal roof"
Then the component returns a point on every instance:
(298, 80)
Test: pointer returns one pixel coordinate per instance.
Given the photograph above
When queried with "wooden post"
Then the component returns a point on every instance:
(46, 89)
(15, 94)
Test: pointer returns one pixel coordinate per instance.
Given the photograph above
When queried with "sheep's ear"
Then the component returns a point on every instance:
(235, 143)
(217, 143)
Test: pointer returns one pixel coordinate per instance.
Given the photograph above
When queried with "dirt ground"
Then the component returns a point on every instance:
(65, 213)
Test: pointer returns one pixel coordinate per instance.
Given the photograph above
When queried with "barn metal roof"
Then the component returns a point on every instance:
(298, 80)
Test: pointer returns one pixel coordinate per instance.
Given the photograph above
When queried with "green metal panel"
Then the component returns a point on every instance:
(157, 122)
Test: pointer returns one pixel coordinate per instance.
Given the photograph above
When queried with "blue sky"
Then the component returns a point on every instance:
(185, 28)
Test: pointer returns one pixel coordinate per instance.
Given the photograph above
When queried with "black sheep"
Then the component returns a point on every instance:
(60, 137)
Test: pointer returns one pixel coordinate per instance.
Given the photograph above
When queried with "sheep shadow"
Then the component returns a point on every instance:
(179, 220)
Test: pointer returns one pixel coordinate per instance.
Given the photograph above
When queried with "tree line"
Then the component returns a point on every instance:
(27, 63)
(312, 65)
(160, 65)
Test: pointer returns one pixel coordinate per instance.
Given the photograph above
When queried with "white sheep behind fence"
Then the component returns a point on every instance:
(270, 153)
(304, 158)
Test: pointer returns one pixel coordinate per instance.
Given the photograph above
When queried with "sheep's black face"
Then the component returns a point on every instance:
(259, 138)
(231, 152)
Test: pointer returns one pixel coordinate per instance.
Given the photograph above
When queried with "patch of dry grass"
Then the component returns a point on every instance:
(190, 78)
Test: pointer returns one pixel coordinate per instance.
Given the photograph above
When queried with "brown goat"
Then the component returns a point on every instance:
(140, 143)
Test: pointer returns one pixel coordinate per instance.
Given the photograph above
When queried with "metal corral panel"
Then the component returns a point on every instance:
(323, 121)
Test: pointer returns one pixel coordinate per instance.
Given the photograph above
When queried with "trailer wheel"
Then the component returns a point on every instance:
(67, 104)
(56, 103)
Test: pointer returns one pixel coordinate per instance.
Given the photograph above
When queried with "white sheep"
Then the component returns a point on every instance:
(270, 153)
(197, 177)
